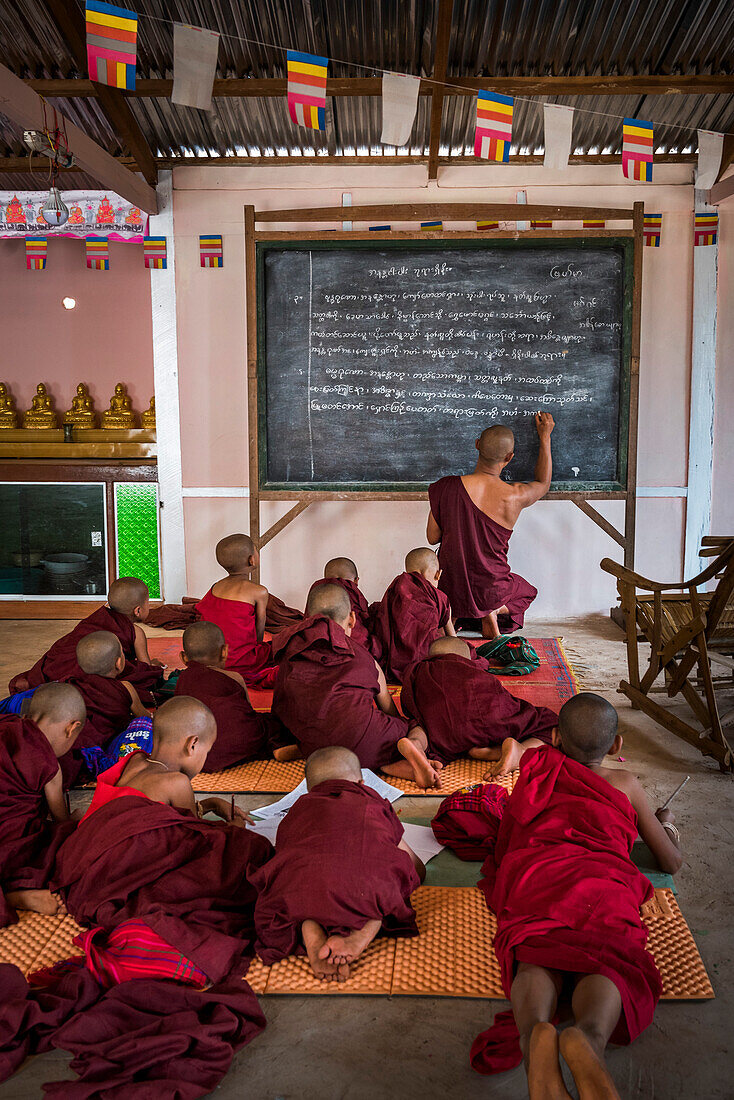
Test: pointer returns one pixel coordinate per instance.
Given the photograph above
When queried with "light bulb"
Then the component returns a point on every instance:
(68, 303)
(55, 210)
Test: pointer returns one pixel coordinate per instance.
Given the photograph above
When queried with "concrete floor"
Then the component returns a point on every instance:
(367, 1048)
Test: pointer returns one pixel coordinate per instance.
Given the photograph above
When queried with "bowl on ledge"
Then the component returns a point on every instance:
(65, 563)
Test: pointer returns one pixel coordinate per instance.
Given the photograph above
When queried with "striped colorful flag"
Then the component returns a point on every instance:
(637, 147)
(98, 253)
(494, 126)
(487, 225)
(112, 35)
(307, 89)
(652, 230)
(380, 228)
(706, 228)
(432, 225)
(594, 223)
(211, 251)
(154, 252)
(541, 225)
(36, 253)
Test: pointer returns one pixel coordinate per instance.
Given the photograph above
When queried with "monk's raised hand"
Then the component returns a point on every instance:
(545, 424)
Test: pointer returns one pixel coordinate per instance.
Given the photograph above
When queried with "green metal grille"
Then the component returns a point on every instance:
(136, 507)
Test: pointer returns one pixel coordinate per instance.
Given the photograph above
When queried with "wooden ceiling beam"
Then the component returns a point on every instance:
(440, 62)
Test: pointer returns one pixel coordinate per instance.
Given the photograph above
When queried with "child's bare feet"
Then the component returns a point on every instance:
(425, 771)
(345, 949)
(486, 754)
(287, 752)
(33, 901)
(587, 1066)
(510, 753)
(325, 968)
(545, 1081)
(490, 626)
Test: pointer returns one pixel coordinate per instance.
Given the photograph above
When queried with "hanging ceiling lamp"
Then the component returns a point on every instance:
(55, 210)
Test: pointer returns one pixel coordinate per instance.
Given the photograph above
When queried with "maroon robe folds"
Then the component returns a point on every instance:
(240, 730)
(476, 576)
(462, 706)
(60, 663)
(337, 862)
(325, 693)
(362, 629)
(108, 704)
(238, 622)
(410, 616)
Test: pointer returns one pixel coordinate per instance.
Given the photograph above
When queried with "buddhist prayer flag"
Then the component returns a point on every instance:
(431, 225)
(541, 225)
(487, 225)
(307, 89)
(710, 148)
(558, 124)
(112, 35)
(380, 228)
(652, 230)
(637, 147)
(36, 253)
(594, 223)
(98, 253)
(154, 252)
(494, 126)
(706, 228)
(195, 52)
(399, 103)
(211, 252)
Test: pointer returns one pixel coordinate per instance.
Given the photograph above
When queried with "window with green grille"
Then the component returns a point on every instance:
(136, 517)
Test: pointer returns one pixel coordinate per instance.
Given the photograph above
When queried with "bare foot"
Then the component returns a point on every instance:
(345, 949)
(545, 1081)
(324, 967)
(33, 901)
(287, 752)
(490, 626)
(510, 753)
(425, 771)
(486, 754)
(587, 1066)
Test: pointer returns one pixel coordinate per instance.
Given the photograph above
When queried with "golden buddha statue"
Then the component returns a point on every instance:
(147, 419)
(41, 413)
(120, 413)
(8, 415)
(81, 413)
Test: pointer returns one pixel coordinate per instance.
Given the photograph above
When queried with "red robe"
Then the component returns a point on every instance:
(462, 706)
(362, 629)
(476, 576)
(108, 706)
(107, 788)
(325, 694)
(60, 663)
(240, 730)
(564, 889)
(409, 618)
(236, 619)
(337, 862)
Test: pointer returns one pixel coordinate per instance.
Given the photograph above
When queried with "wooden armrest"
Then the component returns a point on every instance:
(629, 577)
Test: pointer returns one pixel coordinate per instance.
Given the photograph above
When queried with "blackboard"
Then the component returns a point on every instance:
(380, 363)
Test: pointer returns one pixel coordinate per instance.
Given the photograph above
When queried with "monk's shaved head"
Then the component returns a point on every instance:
(182, 717)
(332, 762)
(203, 642)
(127, 593)
(495, 444)
(234, 553)
(330, 600)
(587, 724)
(449, 645)
(57, 703)
(97, 653)
(343, 568)
(421, 560)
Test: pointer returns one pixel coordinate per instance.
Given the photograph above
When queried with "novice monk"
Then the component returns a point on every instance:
(343, 571)
(567, 899)
(237, 605)
(341, 872)
(464, 709)
(412, 613)
(128, 603)
(326, 690)
(241, 733)
(30, 790)
(473, 518)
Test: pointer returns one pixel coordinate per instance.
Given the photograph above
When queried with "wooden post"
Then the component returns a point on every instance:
(630, 509)
(252, 425)
(440, 61)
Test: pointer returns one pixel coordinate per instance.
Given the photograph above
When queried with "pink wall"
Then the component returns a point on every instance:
(106, 339)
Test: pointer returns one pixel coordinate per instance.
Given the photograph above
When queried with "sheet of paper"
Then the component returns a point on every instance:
(280, 808)
(422, 841)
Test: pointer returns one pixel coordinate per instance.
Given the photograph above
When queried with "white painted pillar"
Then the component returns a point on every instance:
(703, 382)
(167, 417)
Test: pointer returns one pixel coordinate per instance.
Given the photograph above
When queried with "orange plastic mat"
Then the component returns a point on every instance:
(452, 956)
(235, 780)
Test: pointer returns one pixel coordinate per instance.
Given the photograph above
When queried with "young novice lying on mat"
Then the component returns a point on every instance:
(326, 690)
(343, 572)
(341, 872)
(241, 732)
(412, 613)
(464, 709)
(30, 790)
(567, 899)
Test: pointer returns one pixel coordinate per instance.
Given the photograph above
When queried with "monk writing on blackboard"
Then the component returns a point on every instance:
(473, 518)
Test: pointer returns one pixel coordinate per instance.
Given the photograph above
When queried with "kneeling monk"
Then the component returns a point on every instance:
(326, 690)
(341, 872)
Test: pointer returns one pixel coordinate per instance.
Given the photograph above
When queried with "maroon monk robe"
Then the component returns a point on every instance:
(108, 706)
(476, 576)
(565, 892)
(238, 622)
(325, 693)
(240, 730)
(337, 862)
(410, 617)
(362, 629)
(462, 706)
(59, 662)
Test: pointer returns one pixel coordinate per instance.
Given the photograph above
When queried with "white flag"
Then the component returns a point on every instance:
(558, 125)
(710, 147)
(195, 52)
(399, 102)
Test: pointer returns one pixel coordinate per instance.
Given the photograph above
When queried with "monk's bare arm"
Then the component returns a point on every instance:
(433, 531)
(417, 861)
(136, 707)
(141, 647)
(172, 789)
(527, 492)
(659, 840)
(261, 604)
(54, 792)
(233, 676)
(385, 700)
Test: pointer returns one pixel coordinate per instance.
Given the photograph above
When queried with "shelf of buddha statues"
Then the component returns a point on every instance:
(92, 443)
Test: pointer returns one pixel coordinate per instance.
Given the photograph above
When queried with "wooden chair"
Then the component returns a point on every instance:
(689, 631)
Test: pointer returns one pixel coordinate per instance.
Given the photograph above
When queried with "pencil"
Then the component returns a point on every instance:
(231, 814)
